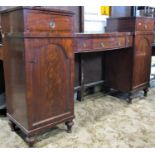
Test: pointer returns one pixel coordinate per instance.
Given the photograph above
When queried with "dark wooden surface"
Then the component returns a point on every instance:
(78, 18)
(133, 77)
(90, 50)
(39, 69)
(39, 64)
(130, 24)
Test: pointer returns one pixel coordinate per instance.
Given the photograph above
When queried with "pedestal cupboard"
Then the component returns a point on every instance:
(130, 72)
(39, 67)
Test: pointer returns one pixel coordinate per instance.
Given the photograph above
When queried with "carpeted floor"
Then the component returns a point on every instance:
(101, 121)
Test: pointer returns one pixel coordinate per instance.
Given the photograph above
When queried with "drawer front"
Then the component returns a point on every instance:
(144, 24)
(83, 45)
(106, 43)
(39, 22)
(129, 41)
(148, 25)
(139, 25)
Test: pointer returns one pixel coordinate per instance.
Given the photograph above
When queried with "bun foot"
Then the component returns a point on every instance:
(69, 125)
(30, 141)
(12, 126)
(130, 98)
(145, 91)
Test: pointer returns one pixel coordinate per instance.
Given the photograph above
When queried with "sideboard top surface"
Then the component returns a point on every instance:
(53, 11)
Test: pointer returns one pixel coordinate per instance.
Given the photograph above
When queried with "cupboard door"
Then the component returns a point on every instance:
(142, 60)
(50, 70)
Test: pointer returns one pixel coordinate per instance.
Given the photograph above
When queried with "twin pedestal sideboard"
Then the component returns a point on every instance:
(39, 50)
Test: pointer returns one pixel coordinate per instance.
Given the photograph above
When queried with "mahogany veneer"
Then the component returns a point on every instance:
(39, 66)
(136, 76)
(90, 48)
(102, 42)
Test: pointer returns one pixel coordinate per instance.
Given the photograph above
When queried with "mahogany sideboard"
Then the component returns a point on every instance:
(39, 49)
(131, 73)
(38, 67)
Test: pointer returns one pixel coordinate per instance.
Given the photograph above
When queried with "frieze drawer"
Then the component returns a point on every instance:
(83, 45)
(88, 45)
(108, 43)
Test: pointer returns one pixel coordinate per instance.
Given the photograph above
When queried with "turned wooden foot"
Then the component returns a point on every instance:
(80, 96)
(130, 97)
(145, 91)
(13, 126)
(30, 141)
(106, 89)
(69, 125)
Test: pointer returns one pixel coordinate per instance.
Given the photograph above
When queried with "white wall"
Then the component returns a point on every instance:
(93, 21)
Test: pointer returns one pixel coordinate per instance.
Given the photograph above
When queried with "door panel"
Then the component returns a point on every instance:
(142, 60)
(50, 83)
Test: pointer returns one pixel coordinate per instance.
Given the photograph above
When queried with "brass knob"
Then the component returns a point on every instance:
(102, 44)
(128, 41)
(145, 26)
(52, 24)
(3, 35)
(139, 24)
(119, 44)
(84, 45)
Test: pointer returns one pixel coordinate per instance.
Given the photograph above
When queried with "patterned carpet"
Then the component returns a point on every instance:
(101, 121)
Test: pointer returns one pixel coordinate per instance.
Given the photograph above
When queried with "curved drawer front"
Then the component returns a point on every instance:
(92, 44)
(108, 43)
(83, 44)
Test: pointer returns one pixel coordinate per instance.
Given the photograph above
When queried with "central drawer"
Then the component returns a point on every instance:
(92, 44)
(83, 44)
(108, 43)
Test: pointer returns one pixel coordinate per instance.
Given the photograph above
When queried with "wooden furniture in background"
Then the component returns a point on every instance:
(132, 11)
(131, 73)
(123, 11)
(39, 69)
